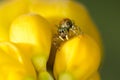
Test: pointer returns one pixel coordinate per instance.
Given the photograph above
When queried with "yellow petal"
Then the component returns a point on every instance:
(34, 30)
(14, 63)
(79, 56)
(8, 12)
(95, 76)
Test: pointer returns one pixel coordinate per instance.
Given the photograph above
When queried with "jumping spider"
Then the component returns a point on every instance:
(66, 29)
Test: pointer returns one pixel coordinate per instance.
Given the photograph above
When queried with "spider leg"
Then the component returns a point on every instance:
(61, 38)
(67, 37)
(76, 30)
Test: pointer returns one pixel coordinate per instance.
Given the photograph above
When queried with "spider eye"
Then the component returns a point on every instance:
(61, 30)
(69, 23)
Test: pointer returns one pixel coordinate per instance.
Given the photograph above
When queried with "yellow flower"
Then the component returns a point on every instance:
(26, 30)
(79, 57)
(8, 12)
(13, 64)
(35, 31)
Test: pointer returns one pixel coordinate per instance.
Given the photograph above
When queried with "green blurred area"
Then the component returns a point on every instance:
(106, 15)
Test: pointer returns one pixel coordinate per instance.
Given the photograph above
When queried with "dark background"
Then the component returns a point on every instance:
(106, 15)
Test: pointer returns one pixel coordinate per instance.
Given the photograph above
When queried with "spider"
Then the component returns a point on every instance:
(66, 30)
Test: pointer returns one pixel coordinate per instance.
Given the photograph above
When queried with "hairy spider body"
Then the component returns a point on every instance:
(66, 30)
